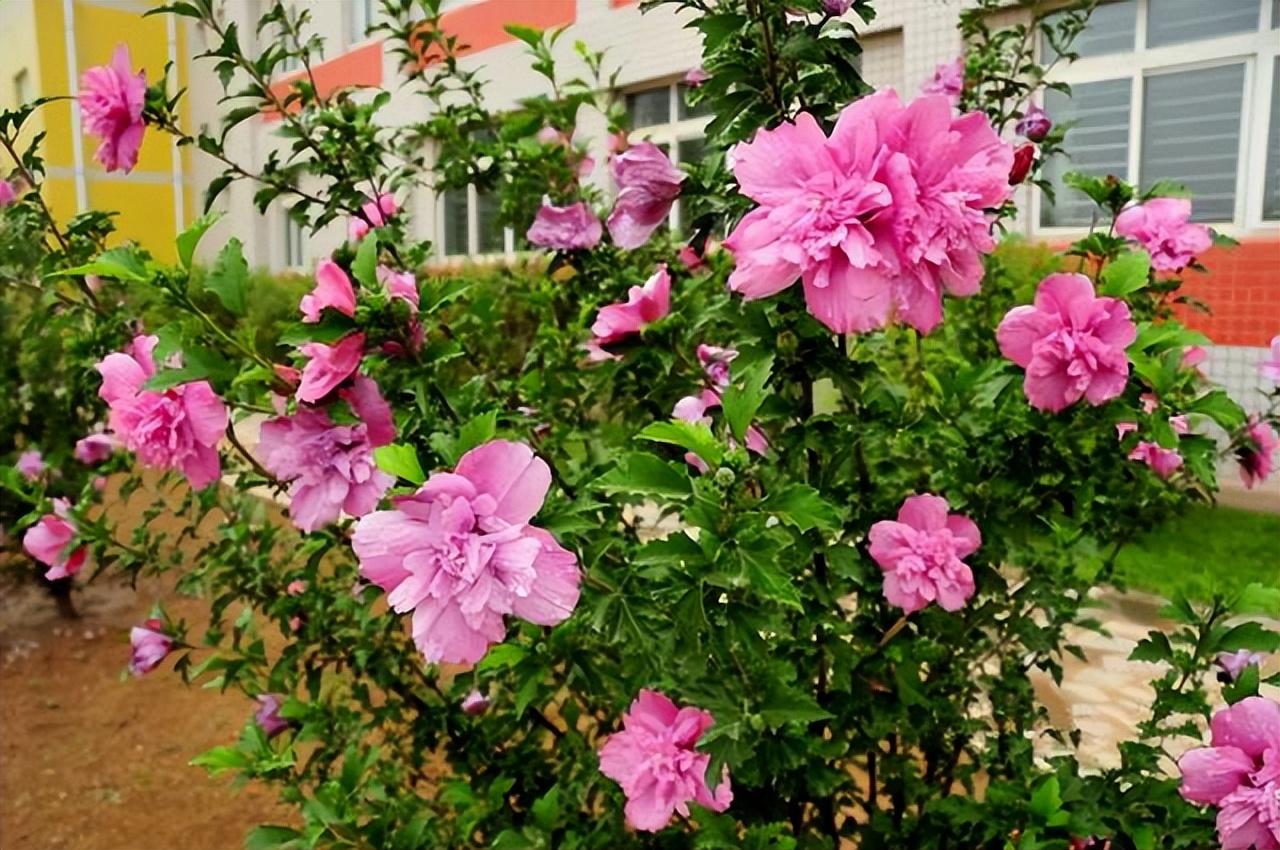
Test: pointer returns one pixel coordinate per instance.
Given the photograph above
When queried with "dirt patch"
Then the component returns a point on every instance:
(88, 762)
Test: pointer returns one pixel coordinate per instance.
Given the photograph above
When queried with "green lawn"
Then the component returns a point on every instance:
(1205, 551)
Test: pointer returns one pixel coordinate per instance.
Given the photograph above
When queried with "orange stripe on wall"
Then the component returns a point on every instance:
(618, 4)
(1242, 288)
(479, 26)
(359, 67)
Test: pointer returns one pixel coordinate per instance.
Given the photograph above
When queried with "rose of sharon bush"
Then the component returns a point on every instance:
(879, 219)
(645, 305)
(655, 761)
(570, 228)
(1258, 454)
(111, 100)
(1161, 227)
(461, 555)
(331, 467)
(47, 542)
(648, 185)
(1239, 773)
(176, 428)
(333, 290)
(920, 554)
(149, 645)
(1071, 343)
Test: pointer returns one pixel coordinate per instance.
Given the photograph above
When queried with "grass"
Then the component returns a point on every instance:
(1206, 551)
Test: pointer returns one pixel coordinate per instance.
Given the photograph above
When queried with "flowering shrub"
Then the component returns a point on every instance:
(671, 529)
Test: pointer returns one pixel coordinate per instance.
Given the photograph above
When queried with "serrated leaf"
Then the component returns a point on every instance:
(803, 507)
(1154, 647)
(1219, 407)
(790, 706)
(692, 436)
(228, 277)
(270, 837)
(1245, 686)
(643, 473)
(221, 759)
(123, 263)
(761, 570)
(742, 399)
(1126, 273)
(1046, 801)
(475, 432)
(188, 239)
(546, 811)
(1252, 636)
(501, 656)
(364, 267)
(401, 461)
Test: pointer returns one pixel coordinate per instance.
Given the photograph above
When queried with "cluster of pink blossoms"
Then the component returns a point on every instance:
(461, 554)
(111, 101)
(879, 219)
(176, 428)
(49, 542)
(655, 761)
(921, 555)
(1161, 226)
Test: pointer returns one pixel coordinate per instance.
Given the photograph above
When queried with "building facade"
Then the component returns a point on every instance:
(45, 45)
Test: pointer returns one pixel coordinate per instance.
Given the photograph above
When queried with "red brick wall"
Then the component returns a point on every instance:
(1242, 288)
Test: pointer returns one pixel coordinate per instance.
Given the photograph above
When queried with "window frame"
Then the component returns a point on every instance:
(291, 229)
(360, 15)
(473, 233)
(1256, 50)
(670, 133)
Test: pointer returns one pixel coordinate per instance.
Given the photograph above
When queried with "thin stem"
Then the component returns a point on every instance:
(250, 459)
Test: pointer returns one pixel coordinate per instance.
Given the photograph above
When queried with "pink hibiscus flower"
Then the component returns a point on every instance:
(1233, 664)
(715, 362)
(947, 80)
(149, 645)
(695, 77)
(268, 714)
(1034, 124)
(330, 467)
(30, 464)
(461, 554)
(648, 185)
(329, 366)
(474, 704)
(111, 100)
(1270, 368)
(7, 193)
(176, 428)
(48, 539)
(645, 305)
(379, 211)
(1070, 342)
(693, 408)
(876, 221)
(655, 760)
(1160, 226)
(1257, 454)
(400, 285)
(1239, 773)
(570, 228)
(95, 448)
(920, 554)
(1164, 462)
(333, 290)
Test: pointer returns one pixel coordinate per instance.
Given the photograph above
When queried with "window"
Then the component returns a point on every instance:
(293, 243)
(359, 19)
(1271, 182)
(1168, 90)
(22, 92)
(469, 224)
(664, 116)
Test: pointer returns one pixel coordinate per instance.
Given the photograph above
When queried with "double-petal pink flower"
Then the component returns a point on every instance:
(330, 467)
(48, 540)
(645, 305)
(95, 448)
(30, 464)
(149, 644)
(333, 291)
(878, 220)
(947, 80)
(570, 228)
(111, 101)
(1070, 342)
(1270, 367)
(648, 185)
(1239, 773)
(329, 366)
(461, 554)
(655, 760)
(1163, 462)
(1257, 454)
(176, 428)
(921, 555)
(1161, 226)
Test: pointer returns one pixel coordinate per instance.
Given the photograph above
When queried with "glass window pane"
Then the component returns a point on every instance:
(1191, 134)
(1275, 14)
(1176, 21)
(1271, 181)
(684, 110)
(1097, 144)
(691, 150)
(646, 108)
(456, 242)
(1112, 29)
(492, 240)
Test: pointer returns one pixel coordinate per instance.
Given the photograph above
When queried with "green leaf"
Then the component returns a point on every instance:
(787, 706)
(1259, 599)
(801, 506)
(270, 837)
(1154, 647)
(1219, 407)
(1126, 273)
(475, 432)
(1252, 636)
(188, 239)
(1046, 801)
(228, 277)
(528, 35)
(695, 437)
(401, 461)
(1245, 686)
(221, 759)
(364, 268)
(502, 656)
(743, 398)
(546, 811)
(640, 472)
(123, 263)
(760, 567)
